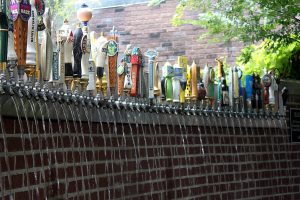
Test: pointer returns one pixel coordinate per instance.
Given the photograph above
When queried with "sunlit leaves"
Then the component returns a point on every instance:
(244, 20)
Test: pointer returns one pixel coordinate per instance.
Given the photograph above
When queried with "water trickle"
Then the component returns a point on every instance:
(124, 165)
(94, 173)
(6, 155)
(287, 149)
(59, 140)
(117, 161)
(146, 152)
(32, 151)
(83, 152)
(40, 146)
(73, 139)
(111, 181)
(181, 121)
(106, 171)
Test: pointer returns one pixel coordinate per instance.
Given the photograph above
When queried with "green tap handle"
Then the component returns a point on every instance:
(3, 36)
(169, 89)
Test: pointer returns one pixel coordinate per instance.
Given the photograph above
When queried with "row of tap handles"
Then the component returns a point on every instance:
(84, 68)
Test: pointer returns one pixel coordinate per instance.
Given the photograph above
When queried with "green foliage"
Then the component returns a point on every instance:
(243, 20)
(255, 59)
(61, 9)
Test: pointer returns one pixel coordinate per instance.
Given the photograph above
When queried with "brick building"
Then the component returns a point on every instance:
(150, 27)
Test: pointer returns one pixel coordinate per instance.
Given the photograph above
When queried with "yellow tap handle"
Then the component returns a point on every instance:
(193, 72)
(188, 84)
(183, 62)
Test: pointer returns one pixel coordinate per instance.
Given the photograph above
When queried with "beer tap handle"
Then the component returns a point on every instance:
(112, 52)
(136, 62)
(168, 74)
(47, 48)
(194, 80)
(151, 54)
(178, 73)
(121, 76)
(183, 63)
(3, 37)
(20, 12)
(77, 53)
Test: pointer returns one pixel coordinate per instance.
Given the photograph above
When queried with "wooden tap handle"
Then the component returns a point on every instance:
(112, 52)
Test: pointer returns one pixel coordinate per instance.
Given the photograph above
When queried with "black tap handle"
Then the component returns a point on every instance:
(77, 52)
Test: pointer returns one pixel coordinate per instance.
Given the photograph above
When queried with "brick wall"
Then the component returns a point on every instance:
(148, 27)
(97, 159)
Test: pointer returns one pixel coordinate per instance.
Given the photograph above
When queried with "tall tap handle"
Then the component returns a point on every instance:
(220, 68)
(47, 48)
(136, 63)
(285, 95)
(188, 84)
(3, 37)
(112, 52)
(176, 81)
(151, 54)
(31, 37)
(121, 76)
(168, 73)
(77, 53)
(194, 81)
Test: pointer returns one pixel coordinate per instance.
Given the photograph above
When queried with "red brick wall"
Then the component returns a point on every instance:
(61, 159)
(148, 27)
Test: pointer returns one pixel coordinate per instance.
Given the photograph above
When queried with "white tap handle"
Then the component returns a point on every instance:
(176, 89)
(31, 38)
(92, 74)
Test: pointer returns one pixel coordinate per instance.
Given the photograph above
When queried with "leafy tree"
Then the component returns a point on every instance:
(61, 8)
(244, 20)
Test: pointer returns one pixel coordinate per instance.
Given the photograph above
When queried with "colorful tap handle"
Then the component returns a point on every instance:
(178, 73)
(273, 89)
(220, 68)
(157, 86)
(3, 37)
(163, 88)
(101, 51)
(64, 43)
(151, 54)
(235, 83)
(32, 50)
(77, 52)
(121, 76)
(11, 53)
(84, 14)
(194, 81)
(285, 95)
(208, 80)
(136, 63)
(201, 91)
(68, 55)
(91, 83)
(240, 75)
(128, 80)
(47, 48)
(20, 14)
(248, 86)
(168, 74)
(187, 91)
(183, 63)
(256, 96)
(266, 82)
(112, 52)
(220, 75)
